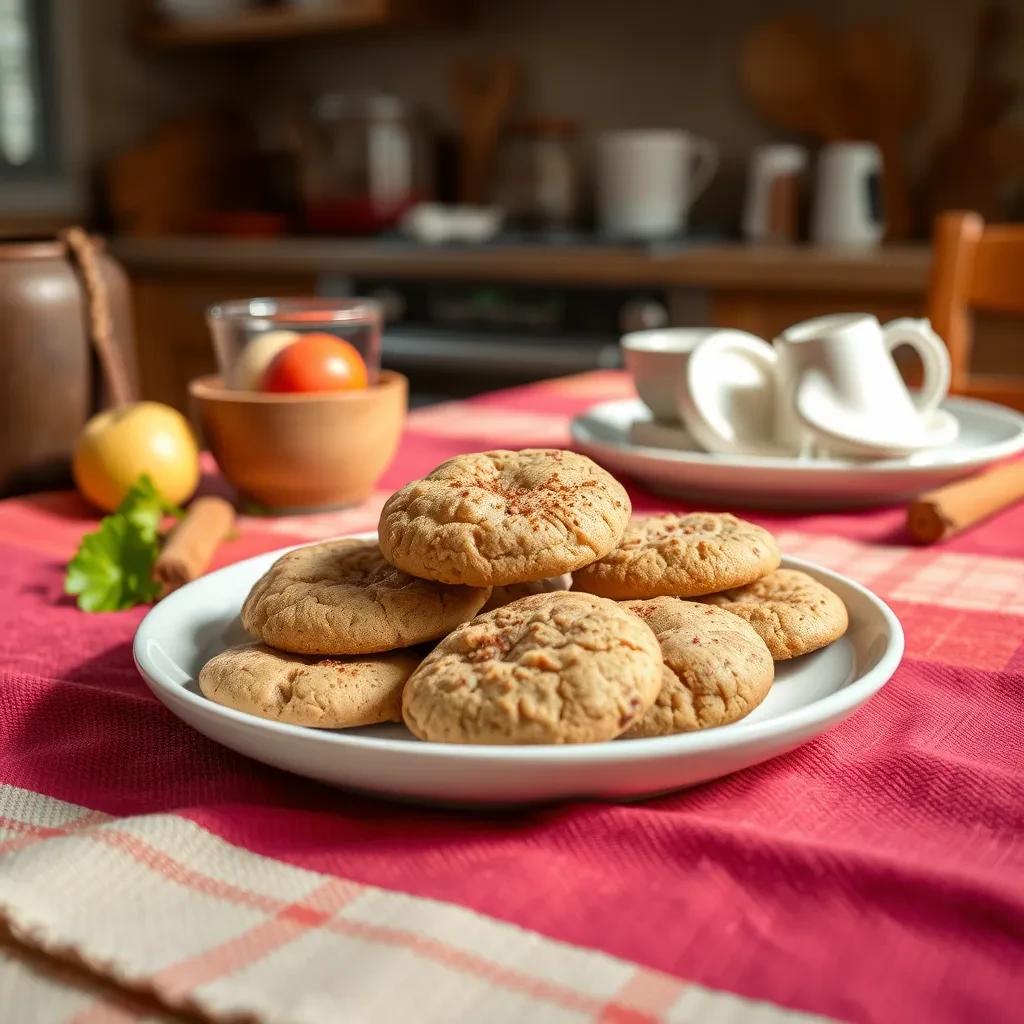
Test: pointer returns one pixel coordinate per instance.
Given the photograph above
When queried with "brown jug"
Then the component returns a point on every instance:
(56, 296)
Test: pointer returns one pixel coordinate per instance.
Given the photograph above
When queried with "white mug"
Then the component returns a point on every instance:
(648, 179)
(838, 387)
(848, 196)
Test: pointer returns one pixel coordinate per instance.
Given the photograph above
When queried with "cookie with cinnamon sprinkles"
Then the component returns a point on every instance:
(323, 693)
(717, 669)
(792, 612)
(342, 597)
(551, 668)
(501, 517)
(677, 555)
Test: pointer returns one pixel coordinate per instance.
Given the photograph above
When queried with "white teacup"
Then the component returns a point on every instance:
(838, 387)
(727, 393)
(828, 386)
(657, 359)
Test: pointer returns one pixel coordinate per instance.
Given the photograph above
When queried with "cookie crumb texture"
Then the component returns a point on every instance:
(552, 668)
(719, 669)
(681, 556)
(792, 612)
(342, 597)
(324, 693)
(501, 517)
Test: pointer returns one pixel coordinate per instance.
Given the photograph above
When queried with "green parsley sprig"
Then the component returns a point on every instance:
(113, 567)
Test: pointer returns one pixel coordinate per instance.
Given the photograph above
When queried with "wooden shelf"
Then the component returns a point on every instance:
(268, 24)
(897, 270)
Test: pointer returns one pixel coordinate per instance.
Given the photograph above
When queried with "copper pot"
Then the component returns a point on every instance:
(51, 380)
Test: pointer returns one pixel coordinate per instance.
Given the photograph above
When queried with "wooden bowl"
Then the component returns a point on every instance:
(302, 452)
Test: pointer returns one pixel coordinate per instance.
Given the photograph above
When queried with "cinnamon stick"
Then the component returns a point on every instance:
(191, 544)
(946, 511)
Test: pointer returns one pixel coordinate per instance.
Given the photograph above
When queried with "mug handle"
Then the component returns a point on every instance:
(705, 416)
(705, 163)
(918, 334)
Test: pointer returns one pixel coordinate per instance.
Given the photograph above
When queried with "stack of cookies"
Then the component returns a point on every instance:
(460, 620)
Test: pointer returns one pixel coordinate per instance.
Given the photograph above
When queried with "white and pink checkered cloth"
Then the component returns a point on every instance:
(876, 874)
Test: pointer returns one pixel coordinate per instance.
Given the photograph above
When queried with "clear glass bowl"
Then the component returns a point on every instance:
(238, 324)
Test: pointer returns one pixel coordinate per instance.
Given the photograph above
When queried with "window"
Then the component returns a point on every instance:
(37, 61)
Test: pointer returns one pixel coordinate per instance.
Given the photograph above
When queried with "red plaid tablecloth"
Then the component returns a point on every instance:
(876, 874)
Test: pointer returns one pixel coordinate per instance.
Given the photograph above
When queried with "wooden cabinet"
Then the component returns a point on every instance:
(170, 324)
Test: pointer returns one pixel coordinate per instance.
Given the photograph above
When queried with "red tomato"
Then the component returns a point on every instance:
(316, 362)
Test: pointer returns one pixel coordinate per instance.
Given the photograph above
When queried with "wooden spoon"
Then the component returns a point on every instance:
(482, 95)
(787, 67)
(963, 173)
(885, 74)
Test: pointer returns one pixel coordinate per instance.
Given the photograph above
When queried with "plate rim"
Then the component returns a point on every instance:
(810, 468)
(838, 704)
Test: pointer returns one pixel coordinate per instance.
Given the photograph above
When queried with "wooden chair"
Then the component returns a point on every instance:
(976, 267)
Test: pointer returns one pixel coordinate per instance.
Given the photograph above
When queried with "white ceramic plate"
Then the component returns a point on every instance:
(988, 433)
(810, 694)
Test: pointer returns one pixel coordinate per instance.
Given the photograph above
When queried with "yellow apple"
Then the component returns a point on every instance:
(117, 446)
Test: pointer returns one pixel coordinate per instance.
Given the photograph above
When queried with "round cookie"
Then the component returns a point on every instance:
(325, 693)
(551, 668)
(681, 556)
(719, 670)
(514, 591)
(494, 518)
(792, 612)
(342, 597)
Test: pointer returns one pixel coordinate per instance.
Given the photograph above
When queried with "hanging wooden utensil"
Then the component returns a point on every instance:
(886, 80)
(482, 95)
(788, 69)
(964, 173)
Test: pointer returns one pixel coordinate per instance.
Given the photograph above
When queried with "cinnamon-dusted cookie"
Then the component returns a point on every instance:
(515, 591)
(494, 518)
(342, 597)
(325, 693)
(792, 612)
(718, 670)
(677, 555)
(552, 668)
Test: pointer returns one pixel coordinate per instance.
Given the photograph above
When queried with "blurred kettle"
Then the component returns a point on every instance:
(847, 209)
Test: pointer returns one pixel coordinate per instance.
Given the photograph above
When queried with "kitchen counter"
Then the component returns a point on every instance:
(896, 270)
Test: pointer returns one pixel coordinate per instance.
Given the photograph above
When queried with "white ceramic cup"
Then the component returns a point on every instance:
(646, 181)
(838, 387)
(847, 208)
(726, 395)
(657, 359)
(828, 386)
